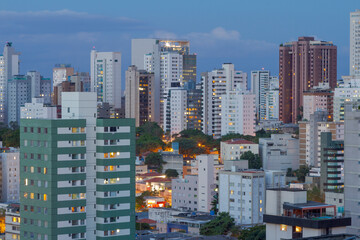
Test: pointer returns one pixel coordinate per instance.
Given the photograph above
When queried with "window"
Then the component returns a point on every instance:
(45, 197)
(298, 229)
(25, 129)
(45, 130)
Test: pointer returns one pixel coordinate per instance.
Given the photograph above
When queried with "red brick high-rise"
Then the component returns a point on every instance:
(303, 65)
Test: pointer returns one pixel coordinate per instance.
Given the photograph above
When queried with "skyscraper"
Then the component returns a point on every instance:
(260, 84)
(303, 64)
(19, 93)
(77, 174)
(9, 66)
(215, 84)
(169, 60)
(355, 43)
(106, 77)
(142, 97)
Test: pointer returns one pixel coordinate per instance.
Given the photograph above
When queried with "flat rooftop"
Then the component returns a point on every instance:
(307, 205)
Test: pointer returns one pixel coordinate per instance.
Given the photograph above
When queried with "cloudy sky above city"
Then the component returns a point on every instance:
(246, 33)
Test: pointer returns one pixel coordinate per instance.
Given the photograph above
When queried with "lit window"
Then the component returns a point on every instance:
(283, 227)
(32, 195)
(298, 229)
(45, 197)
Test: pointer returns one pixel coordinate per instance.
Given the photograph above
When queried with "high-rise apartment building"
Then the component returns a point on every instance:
(176, 108)
(260, 84)
(10, 175)
(106, 77)
(9, 66)
(194, 109)
(332, 164)
(310, 136)
(19, 93)
(352, 167)
(40, 86)
(61, 73)
(318, 100)
(215, 84)
(303, 64)
(347, 91)
(38, 109)
(355, 43)
(169, 60)
(238, 113)
(77, 174)
(142, 99)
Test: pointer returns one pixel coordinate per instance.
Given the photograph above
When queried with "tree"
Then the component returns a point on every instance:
(143, 226)
(170, 173)
(221, 225)
(189, 147)
(150, 128)
(155, 160)
(254, 159)
(302, 172)
(139, 203)
(214, 203)
(256, 233)
(315, 195)
(149, 138)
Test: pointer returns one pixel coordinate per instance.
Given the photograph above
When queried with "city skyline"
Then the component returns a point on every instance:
(245, 38)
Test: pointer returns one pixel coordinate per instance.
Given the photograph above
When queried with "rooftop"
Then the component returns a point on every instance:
(158, 180)
(146, 220)
(238, 141)
(307, 205)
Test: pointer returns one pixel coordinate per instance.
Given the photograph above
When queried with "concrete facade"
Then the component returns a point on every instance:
(279, 152)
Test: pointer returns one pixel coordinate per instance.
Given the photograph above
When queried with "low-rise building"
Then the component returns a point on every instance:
(279, 152)
(234, 148)
(290, 216)
(242, 194)
(173, 160)
(185, 192)
(12, 222)
(37, 109)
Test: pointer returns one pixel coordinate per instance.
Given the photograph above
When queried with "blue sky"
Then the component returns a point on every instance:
(246, 33)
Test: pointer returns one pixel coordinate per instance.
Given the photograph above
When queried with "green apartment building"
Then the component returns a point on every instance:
(77, 174)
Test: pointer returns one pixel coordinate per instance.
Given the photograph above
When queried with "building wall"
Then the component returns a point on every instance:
(19, 93)
(230, 151)
(279, 152)
(354, 43)
(75, 151)
(185, 192)
(303, 65)
(242, 194)
(106, 77)
(10, 164)
(238, 113)
(352, 168)
(206, 181)
(215, 84)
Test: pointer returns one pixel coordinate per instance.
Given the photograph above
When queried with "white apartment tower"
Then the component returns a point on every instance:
(238, 113)
(355, 43)
(215, 84)
(260, 81)
(9, 66)
(176, 118)
(242, 194)
(106, 77)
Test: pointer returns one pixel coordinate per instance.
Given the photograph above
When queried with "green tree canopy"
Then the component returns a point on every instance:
(155, 160)
(149, 138)
(253, 233)
(170, 173)
(254, 159)
(188, 146)
(221, 225)
(302, 172)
